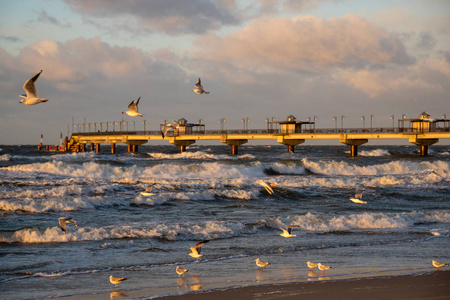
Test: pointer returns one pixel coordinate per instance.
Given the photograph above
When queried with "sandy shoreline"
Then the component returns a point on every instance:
(430, 285)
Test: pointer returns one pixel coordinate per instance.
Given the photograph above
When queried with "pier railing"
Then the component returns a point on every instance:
(266, 131)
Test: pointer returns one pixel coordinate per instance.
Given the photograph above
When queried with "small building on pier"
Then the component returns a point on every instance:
(424, 123)
(187, 128)
(291, 125)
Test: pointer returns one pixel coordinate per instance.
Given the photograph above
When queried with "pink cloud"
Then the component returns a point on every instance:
(305, 43)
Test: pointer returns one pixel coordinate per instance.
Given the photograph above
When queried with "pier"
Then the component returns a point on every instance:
(422, 132)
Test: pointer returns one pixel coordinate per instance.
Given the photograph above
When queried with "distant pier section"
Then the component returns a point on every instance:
(422, 131)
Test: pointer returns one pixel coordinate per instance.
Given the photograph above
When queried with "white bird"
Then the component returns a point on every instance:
(116, 280)
(357, 198)
(323, 267)
(197, 249)
(261, 263)
(64, 220)
(167, 127)
(181, 271)
(133, 109)
(438, 264)
(287, 232)
(311, 265)
(268, 187)
(31, 97)
(199, 88)
(147, 191)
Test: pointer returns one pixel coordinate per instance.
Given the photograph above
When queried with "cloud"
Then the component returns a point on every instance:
(44, 17)
(172, 17)
(304, 44)
(10, 38)
(426, 41)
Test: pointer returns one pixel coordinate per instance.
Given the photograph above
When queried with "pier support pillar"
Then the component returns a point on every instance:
(353, 150)
(130, 148)
(353, 143)
(135, 148)
(97, 148)
(234, 150)
(291, 148)
(423, 143)
(182, 148)
(423, 150)
(234, 144)
(113, 148)
(181, 143)
(83, 147)
(92, 146)
(78, 147)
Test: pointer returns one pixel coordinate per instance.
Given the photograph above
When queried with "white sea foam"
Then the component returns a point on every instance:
(391, 168)
(376, 152)
(199, 155)
(5, 157)
(366, 221)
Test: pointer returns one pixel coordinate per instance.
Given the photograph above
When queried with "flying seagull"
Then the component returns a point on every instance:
(287, 232)
(199, 88)
(116, 280)
(268, 188)
(167, 127)
(261, 263)
(31, 97)
(133, 109)
(357, 198)
(197, 249)
(181, 271)
(64, 220)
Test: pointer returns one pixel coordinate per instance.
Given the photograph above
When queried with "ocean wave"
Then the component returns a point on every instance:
(367, 221)
(199, 155)
(5, 157)
(376, 152)
(170, 232)
(391, 168)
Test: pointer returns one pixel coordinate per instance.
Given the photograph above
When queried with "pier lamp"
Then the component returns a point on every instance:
(125, 122)
(134, 125)
(222, 123)
(118, 123)
(335, 123)
(342, 122)
(144, 123)
(96, 124)
(371, 118)
(267, 121)
(403, 116)
(243, 122)
(247, 120)
(308, 119)
(109, 124)
(392, 118)
(315, 119)
(363, 118)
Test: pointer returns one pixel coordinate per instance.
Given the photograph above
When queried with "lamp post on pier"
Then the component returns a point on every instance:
(134, 125)
(335, 123)
(222, 124)
(371, 118)
(363, 118)
(144, 123)
(342, 123)
(393, 126)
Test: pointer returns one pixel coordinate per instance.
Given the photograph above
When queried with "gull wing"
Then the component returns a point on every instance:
(29, 87)
(134, 105)
(267, 187)
(198, 247)
(62, 224)
(198, 84)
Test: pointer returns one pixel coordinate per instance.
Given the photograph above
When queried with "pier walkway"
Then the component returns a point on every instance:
(290, 137)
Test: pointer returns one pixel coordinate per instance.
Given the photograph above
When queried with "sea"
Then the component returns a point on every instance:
(206, 194)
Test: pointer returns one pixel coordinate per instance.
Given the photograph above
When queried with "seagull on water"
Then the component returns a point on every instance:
(199, 88)
(197, 249)
(287, 232)
(133, 109)
(311, 265)
(31, 97)
(181, 271)
(116, 280)
(323, 268)
(268, 187)
(64, 220)
(167, 127)
(261, 263)
(438, 264)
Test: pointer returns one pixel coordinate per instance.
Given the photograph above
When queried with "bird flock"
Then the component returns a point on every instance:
(31, 98)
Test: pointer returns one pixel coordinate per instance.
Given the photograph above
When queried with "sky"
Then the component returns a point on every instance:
(258, 59)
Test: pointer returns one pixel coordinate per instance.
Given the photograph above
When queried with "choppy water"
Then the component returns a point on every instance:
(205, 194)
